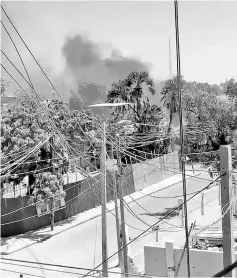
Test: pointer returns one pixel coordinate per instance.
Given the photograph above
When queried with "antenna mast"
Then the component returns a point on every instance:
(170, 61)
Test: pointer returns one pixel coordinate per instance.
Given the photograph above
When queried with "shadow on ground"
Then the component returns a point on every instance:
(171, 212)
(35, 236)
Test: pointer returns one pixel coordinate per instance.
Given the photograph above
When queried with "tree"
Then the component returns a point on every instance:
(210, 123)
(25, 126)
(137, 83)
(197, 88)
(133, 90)
(231, 90)
(24, 134)
(4, 85)
(170, 97)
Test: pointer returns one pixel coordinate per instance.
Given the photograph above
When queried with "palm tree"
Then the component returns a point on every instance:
(138, 83)
(132, 90)
(117, 94)
(170, 97)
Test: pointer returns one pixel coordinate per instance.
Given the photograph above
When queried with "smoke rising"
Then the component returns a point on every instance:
(89, 71)
(92, 72)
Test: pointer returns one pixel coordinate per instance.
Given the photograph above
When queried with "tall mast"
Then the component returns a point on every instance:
(170, 61)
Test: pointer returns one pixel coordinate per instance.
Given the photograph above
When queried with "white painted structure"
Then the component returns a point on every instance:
(203, 263)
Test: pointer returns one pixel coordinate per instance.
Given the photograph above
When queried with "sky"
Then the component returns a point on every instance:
(101, 42)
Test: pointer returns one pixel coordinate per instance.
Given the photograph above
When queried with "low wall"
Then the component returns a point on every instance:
(155, 170)
(203, 263)
(135, 177)
(79, 197)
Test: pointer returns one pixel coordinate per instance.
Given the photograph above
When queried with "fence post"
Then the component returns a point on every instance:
(67, 178)
(144, 169)
(52, 213)
(126, 161)
(234, 190)
(219, 192)
(169, 254)
(156, 229)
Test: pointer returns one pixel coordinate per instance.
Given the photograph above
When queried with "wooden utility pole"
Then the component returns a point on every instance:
(179, 85)
(226, 205)
(103, 204)
(117, 219)
(115, 185)
(120, 192)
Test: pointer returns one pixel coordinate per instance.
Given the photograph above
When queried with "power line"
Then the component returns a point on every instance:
(29, 49)
(72, 267)
(17, 53)
(43, 110)
(25, 273)
(54, 270)
(167, 215)
(16, 68)
(38, 64)
(226, 270)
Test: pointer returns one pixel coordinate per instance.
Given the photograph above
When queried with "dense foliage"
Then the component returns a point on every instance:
(209, 121)
(43, 135)
(148, 119)
(131, 90)
(25, 127)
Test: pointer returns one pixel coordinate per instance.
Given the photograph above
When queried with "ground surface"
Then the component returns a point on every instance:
(80, 246)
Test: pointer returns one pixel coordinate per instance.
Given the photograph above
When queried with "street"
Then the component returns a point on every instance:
(81, 245)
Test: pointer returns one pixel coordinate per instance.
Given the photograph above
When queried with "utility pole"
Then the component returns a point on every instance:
(116, 189)
(227, 210)
(181, 131)
(115, 185)
(103, 204)
(120, 191)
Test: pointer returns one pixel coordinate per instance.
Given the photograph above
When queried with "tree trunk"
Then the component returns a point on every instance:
(170, 122)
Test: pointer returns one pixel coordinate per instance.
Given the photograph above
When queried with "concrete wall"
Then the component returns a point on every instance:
(203, 263)
(136, 177)
(155, 170)
(79, 197)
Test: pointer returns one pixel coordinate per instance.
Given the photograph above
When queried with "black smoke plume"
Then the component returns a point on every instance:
(93, 73)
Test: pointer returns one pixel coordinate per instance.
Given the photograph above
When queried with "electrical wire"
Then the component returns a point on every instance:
(72, 267)
(226, 270)
(40, 66)
(25, 273)
(166, 169)
(19, 55)
(138, 217)
(167, 215)
(45, 199)
(53, 270)
(43, 110)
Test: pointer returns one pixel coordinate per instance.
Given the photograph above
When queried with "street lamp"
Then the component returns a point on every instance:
(104, 201)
